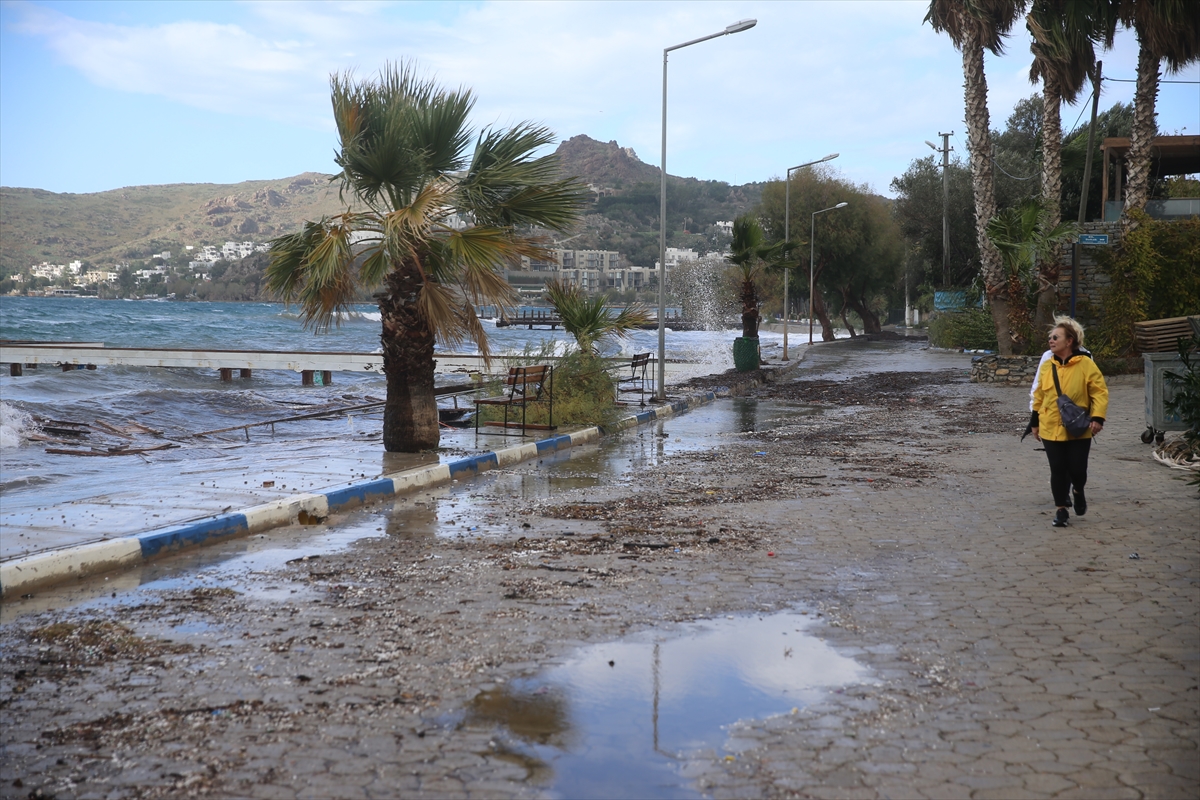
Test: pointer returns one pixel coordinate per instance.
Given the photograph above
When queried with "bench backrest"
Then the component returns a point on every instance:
(527, 382)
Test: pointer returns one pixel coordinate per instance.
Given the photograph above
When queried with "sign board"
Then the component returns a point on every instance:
(1093, 238)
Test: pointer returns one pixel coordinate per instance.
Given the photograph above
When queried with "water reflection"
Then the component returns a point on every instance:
(619, 718)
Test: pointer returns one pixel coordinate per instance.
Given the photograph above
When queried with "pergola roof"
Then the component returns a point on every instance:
(1171, 155)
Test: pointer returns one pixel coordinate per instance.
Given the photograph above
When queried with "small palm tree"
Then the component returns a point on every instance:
(591, 320)
(1022, 234)
(751, 254)
(409, 163)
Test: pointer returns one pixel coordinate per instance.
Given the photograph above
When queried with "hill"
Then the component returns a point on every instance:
(122, 225)
(134, 222)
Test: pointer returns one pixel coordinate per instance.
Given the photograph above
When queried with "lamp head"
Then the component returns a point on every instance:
(932, 146)
(741, 25)
(841, 205)
(830, 157)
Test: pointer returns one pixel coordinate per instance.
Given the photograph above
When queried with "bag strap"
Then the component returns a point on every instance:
(1054, 371)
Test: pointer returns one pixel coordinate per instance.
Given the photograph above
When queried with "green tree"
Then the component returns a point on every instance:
(407, 163)
(975, 26)
(918, 212)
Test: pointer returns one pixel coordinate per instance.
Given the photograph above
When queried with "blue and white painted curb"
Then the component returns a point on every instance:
(21, 575)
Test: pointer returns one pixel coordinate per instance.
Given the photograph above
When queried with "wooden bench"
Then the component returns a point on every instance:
(524, 385)
(636, 380)
(1161, 335)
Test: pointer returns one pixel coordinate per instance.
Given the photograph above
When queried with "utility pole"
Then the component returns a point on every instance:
(1087, 178)
(945, 151)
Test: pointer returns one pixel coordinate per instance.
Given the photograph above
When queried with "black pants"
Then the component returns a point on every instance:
(1068, 467)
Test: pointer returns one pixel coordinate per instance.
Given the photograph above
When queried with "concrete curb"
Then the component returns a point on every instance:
(21, 575)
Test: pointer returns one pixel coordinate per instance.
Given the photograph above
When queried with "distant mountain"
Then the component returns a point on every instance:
(122, 225)
(131, 223)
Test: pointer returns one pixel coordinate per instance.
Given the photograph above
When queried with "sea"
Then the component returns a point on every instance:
(118, 405)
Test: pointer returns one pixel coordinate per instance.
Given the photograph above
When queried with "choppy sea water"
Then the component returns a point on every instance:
(181, 402)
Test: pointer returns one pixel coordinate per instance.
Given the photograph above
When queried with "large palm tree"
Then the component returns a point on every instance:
(412, 172)
(1166, 30)
(974, 26)
(1065, 33)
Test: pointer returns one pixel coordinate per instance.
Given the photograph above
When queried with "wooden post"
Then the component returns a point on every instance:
(226, 374)
(326, 377)
(306, 377)
(245, 374)
(91, 366)
(68, 367)
(16, 370)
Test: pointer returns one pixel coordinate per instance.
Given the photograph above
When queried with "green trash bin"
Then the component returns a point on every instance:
(745, 354)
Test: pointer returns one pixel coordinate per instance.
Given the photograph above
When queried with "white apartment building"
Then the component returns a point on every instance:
(677, 255)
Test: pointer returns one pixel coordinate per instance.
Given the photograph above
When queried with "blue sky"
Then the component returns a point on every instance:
(100, 95)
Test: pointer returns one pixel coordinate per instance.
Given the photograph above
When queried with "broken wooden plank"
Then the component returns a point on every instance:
(123, 451)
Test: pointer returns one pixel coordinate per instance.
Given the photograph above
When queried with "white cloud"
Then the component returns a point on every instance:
(866, 78)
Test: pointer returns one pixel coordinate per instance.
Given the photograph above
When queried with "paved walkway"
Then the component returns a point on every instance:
(1010, 659)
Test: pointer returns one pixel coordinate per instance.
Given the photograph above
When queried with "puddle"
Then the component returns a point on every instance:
(620, 719)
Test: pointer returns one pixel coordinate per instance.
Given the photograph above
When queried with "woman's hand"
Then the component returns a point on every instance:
(1034, 431)
(1096, 427)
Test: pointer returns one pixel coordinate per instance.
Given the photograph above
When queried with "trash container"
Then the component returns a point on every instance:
(1158, 391)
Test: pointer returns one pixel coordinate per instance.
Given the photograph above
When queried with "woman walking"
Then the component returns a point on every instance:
(1071, 372)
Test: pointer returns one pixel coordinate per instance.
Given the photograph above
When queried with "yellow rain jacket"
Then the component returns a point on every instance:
(1081, 381)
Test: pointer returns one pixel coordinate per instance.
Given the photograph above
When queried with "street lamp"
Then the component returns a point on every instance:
(737, 27)
(787, 214)
(811, 253)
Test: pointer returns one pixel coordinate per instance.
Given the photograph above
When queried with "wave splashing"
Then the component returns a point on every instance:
(15, 426)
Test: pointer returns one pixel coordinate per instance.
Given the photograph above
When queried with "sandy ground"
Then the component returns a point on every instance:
(879, 492)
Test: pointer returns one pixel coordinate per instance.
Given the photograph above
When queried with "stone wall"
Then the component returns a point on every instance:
(1089, 292)
(1011, 370)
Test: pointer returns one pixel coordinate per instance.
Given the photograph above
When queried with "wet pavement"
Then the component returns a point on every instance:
(456, 643)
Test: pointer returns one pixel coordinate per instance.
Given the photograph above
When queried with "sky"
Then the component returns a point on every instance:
(101, 95)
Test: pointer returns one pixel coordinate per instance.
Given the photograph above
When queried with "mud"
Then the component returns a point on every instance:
(903, 517)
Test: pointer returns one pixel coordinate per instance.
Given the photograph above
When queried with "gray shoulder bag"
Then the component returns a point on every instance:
(1075, 419)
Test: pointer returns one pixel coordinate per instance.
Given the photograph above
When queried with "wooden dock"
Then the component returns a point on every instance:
(549, 319)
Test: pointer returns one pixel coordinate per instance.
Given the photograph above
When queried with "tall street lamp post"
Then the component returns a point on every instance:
(787, 215)
(812, 250)
(736, 27)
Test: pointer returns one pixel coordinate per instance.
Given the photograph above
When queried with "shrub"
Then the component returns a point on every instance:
(583, 390)
(970, 330)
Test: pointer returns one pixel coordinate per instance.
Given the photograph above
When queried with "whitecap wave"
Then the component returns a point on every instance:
(15, 426)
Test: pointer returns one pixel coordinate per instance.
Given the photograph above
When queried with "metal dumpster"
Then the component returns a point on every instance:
(1158, 392)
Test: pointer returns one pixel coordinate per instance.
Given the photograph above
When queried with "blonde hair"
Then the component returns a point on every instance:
(1071, 326)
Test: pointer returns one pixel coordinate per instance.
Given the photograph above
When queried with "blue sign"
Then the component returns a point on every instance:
(1093, 238)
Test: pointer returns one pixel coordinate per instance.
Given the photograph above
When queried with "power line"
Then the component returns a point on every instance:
(1134, 80)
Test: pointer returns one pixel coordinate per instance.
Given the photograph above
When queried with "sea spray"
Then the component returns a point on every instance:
(15, 426)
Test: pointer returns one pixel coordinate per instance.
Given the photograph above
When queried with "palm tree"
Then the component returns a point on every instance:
(1023, 234)
(1065, 33)
(974, 26)
(409, 162)
(591, 320)
(751, 254)
(1166, 29)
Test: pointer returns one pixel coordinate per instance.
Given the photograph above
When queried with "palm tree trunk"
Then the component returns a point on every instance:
(410, 417)
(983, 183)
(1137, 186)
(749, 310)
(1049, 264)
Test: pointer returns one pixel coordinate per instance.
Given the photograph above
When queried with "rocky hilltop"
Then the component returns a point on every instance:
(604, 164)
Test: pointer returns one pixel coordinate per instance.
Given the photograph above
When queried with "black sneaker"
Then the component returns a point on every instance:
(1060, 519)
(1080, 503)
